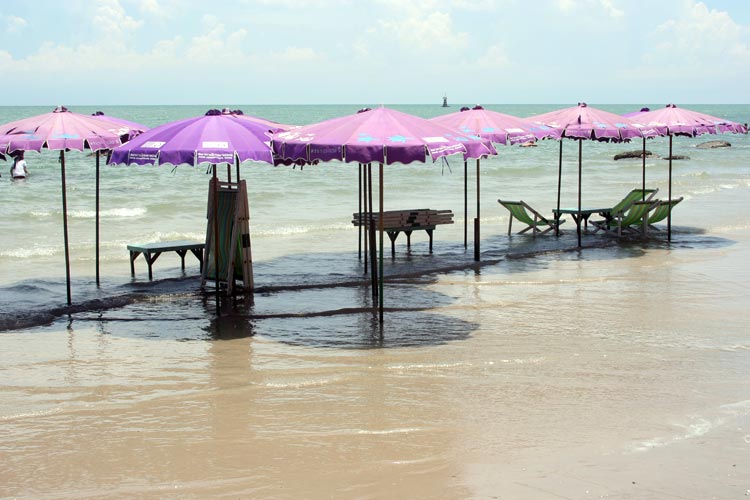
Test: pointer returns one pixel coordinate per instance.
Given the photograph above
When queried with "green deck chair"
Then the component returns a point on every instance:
(534, 220)
(632, 220)
(635, 195)
(662, 211)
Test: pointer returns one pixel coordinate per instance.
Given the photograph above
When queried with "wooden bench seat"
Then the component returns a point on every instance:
(406, 221)
(152, 251)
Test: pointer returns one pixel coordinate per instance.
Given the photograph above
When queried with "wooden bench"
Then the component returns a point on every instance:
(152, 251)
(406, 221)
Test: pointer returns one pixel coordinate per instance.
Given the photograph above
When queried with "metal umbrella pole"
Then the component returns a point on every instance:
(65, 225)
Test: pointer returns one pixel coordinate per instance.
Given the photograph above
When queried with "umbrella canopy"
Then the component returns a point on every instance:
(383, 136)
(60, 130)
(498, 128)
(672, 121)
(379, 135)
(214, 138)
(584, 122)
(226, 136)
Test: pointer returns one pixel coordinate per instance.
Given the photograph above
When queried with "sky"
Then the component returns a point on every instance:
(130, 52)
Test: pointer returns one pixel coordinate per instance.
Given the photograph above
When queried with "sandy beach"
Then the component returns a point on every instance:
(619, 370)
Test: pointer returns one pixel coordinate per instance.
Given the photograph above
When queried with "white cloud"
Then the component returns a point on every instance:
(700, 40)
(111, 19)
(426, 33)
(591, 7)
(152, 8)
(14, 24)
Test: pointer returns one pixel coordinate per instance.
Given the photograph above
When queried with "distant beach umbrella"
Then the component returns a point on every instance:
(584, 122)
(382, 135)
(61, 130)
(129, 129)
(671, 120)
(218, 137)
(499, 128)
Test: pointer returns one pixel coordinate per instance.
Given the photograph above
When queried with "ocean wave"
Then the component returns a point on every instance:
(114, 213)
(120, 213)
(295, 230)
(30, 415)
(699, 427)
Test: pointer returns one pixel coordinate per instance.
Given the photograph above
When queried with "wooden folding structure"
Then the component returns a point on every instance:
(229, 225)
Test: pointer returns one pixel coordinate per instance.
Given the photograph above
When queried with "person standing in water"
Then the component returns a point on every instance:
(19, 170)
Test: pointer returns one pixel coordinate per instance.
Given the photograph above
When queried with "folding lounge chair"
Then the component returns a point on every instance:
(635, 195)
(534, 220)
(661, 212)
(629, 220)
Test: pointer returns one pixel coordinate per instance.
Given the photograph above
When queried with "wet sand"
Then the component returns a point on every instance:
(615, 372)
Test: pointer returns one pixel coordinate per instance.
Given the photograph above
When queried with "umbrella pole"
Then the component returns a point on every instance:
(643, 182)
(578, 222)
(380, 229)
(216, 240)
(669, 195)
(365, 186)
(476, 221)
(559, 186)
(373, 242)
(466, 206)
(65, 224)
(359, 199)
(97, 218)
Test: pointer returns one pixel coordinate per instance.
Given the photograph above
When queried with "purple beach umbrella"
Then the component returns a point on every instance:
(499, 128)
(671, 121)
(217, 137)
(61, 130)
(584, 122)
(382, 135)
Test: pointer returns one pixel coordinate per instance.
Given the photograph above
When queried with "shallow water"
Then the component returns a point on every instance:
(617, 371)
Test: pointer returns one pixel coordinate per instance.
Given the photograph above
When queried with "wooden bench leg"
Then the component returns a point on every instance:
(151, 259)
(198, 255)
(133, 256)
(182, 254)
(392, 235)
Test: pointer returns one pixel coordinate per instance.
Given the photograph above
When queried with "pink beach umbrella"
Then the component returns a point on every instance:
(671, 121)
(60, 130)
(584, 122)
(218, 137)
(499, 128)
(384, 136)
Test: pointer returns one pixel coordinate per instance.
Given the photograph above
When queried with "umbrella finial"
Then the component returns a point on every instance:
(60, 109)
(582, 105)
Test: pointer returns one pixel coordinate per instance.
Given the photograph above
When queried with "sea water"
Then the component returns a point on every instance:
(543, 368)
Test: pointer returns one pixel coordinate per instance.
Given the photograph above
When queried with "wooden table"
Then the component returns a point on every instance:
(585, 213)
(152, 251)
